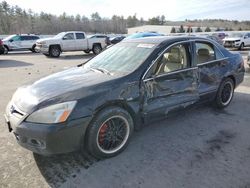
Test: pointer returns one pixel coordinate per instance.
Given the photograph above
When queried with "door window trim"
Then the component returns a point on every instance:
(160, 54)
(170, 73)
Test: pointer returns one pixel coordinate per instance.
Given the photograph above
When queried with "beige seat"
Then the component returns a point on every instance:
(203, 55)
(174, 60)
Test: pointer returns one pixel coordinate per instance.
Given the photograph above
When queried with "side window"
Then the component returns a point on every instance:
(16, 38)
(204, 52)
(80, 36)
(175, 58)
(69, 36)
(34, 38)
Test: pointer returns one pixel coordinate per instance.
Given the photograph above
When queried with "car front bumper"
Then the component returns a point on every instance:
(231, 44)
(48, 139)
(42, 49)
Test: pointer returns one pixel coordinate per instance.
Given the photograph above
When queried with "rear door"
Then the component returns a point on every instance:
(26, 42)
(68, 42)
(211, 64)
(171, 83)
(81, 41)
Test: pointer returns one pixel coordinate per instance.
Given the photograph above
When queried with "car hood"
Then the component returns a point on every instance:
(60, 86)
(232, 39)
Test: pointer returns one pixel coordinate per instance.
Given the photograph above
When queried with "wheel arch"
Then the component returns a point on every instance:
(6, 46)
(57, 45)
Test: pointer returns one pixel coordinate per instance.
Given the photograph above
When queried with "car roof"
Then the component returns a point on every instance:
(162, 39)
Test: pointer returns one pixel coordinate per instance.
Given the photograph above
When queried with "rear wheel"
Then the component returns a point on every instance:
(33, 49)
(6, 50)
(109, 133)
(54, 51)
(225, 93)
(241, 46)
(97, 49)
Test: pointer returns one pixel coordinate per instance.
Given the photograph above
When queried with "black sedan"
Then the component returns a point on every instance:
(96, 106)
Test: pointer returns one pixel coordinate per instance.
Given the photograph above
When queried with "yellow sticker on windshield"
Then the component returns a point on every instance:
(145, 45)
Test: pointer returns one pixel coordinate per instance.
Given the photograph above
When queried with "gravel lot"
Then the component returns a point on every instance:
(199, 147)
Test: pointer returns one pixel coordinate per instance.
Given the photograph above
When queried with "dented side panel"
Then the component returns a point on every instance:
(171, 91)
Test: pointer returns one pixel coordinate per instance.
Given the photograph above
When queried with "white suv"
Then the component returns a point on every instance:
(237, 40)
(20, 42)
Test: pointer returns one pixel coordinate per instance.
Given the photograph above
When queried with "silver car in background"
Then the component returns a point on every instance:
(20, 42)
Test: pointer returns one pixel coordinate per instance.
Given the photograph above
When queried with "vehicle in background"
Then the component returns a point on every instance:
(248, 59)
(221, 35)
(98, 36)
(70, 41)
(20, 42)
(1, 47)
(212, 37)
(117, 39)
(96, 106)
(142, 35)
(237, 40)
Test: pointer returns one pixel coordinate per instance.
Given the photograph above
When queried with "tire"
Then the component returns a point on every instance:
(6, 50)
(241, 46)
(33, 49)
(86, 51)
(109, 132)
(225, 93)
(97, 49)
(54, 51)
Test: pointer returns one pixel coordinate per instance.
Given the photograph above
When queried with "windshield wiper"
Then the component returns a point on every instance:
(101, 70)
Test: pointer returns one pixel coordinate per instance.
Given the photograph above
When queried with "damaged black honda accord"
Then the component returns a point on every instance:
(96, 106)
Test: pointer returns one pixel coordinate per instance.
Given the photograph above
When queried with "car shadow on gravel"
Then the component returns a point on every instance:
(13, 63)
(57, 169)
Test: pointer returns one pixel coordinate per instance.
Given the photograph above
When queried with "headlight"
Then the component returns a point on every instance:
(52, 114)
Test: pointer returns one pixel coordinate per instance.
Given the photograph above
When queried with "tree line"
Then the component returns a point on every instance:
(14, 19)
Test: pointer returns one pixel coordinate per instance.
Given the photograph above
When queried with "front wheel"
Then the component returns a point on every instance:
(33, 49)
(54, 51)
(97, 49)
(109, 132)
(225, 93)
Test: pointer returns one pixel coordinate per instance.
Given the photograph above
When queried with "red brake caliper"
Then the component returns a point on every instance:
(102, 133)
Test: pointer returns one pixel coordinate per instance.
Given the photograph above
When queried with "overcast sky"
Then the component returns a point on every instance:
(172, 9)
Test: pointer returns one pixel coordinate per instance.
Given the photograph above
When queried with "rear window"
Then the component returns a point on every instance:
(80, 36)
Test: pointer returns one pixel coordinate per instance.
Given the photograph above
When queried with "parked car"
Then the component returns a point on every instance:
(70, 41)
(20, 42)
(237, 40)
(212, 37)
(142, 35)
(220, 35)
(98, 36)
(1, 47)
(116, 39)
(96, 106)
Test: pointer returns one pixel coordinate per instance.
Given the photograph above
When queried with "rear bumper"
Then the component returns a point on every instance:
(51, 139)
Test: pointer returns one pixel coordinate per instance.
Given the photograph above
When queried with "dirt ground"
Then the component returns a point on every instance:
(199, 147)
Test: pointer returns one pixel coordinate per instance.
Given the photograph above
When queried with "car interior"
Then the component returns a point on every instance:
(173, 59)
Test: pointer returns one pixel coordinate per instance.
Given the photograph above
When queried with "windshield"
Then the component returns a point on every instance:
(8, 38)
(236, 35)
(59, 35)
(121, 58)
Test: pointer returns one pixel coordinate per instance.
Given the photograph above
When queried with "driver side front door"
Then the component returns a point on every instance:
(171, 83)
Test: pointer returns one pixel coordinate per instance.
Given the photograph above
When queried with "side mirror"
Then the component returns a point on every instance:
(11, 40)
